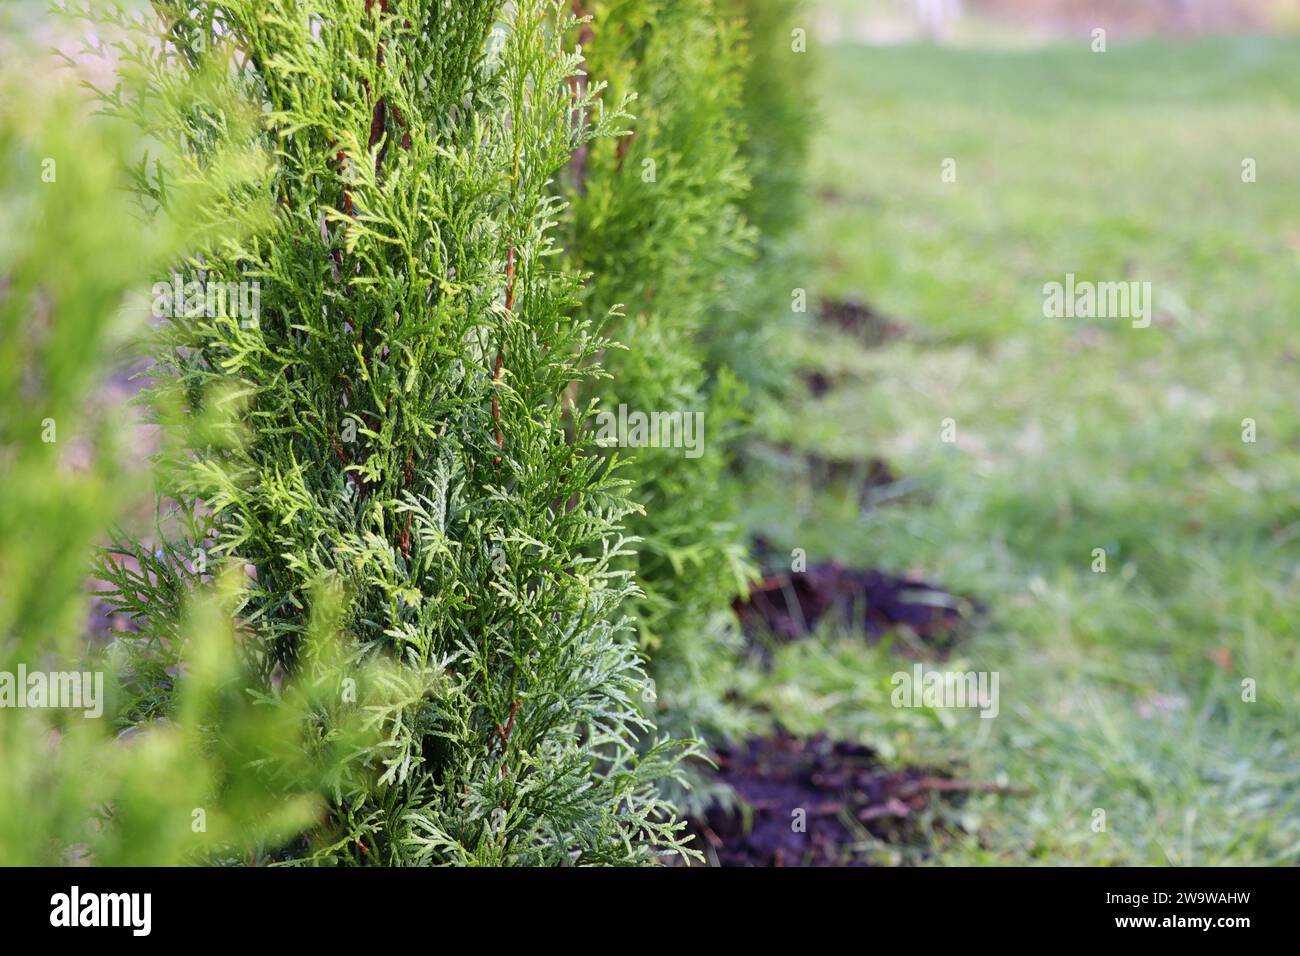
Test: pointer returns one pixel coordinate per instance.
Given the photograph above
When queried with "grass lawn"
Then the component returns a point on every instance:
(1120, 691)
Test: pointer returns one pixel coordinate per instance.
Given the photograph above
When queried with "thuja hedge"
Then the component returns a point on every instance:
(381, 488)
(656, 220)
(686, 227)
(407, 439)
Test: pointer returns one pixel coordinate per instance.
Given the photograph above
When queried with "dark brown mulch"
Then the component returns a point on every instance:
(790, 606)
(841, 789)
(869, 473)
(818, 382)
(863, 477)
(857, 318)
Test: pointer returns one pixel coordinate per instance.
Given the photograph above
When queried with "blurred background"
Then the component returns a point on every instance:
(965, 21)
(948, 433)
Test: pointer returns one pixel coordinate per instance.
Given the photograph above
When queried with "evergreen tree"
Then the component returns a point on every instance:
(689, 223)
(657, 220)
(400, 389)
(73, 263)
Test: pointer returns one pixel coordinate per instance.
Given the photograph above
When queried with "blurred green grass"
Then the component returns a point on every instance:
(1120, 691)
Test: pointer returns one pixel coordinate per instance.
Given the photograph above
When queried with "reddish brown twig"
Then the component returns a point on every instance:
(504, 734)
(340, 451)
(404, 536)
(406, 133)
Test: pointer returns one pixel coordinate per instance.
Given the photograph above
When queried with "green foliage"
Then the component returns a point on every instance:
(657, 221)
(72, 788)
(403, 439)
(662, 218)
